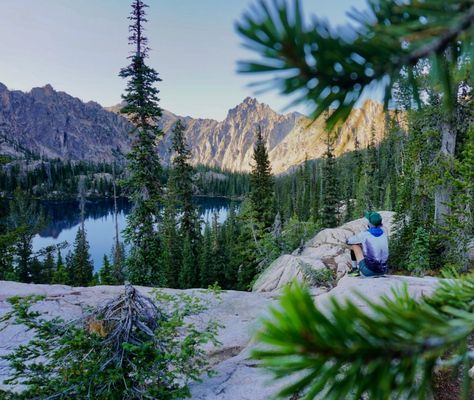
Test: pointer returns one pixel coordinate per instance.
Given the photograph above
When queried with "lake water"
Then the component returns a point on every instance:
(64, 219)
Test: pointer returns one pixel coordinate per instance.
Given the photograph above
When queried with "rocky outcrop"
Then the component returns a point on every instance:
(56, 125)
(327, 250)
(237, 376)
(236, 311)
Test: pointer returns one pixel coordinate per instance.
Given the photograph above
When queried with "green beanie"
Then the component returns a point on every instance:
(374, 218)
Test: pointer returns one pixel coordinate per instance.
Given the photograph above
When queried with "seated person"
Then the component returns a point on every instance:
(369, 249)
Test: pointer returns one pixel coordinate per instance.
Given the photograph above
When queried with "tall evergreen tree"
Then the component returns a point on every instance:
(25, 221)
(181, 211)
(106, 276)
(171, 256)
(141, 106)
(262, 187)
(181, 182)
(48, 267)
(188, 272)
(330, 204)
(118, 249)
(206, 261)
(81, 265)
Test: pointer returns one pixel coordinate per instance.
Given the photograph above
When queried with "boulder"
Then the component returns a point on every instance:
(327, 249)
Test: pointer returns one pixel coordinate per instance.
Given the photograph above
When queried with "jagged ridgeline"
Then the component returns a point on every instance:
(53, 124)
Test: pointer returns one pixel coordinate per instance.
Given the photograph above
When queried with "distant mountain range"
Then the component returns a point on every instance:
(56, 125)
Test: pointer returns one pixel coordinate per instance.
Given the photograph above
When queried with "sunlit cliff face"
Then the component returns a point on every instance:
(291, 138)
(54, 124)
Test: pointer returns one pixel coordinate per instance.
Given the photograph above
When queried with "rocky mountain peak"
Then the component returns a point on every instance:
(249, 107)
(3, 88)
(56, 125)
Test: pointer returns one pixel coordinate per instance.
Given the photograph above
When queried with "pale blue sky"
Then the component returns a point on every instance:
(79, 46)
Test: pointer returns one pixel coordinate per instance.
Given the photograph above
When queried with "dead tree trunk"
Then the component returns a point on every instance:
(443, 191)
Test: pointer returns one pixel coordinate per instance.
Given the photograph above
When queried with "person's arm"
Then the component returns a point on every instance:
(356, 239)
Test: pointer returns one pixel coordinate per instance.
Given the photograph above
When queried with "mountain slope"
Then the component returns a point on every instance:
(290, 138)
(56, 125)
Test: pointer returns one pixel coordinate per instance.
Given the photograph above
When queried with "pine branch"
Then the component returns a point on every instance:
(343, 351)
(330, 70)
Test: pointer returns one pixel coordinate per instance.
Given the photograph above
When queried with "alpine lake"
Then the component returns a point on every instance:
(63, 219)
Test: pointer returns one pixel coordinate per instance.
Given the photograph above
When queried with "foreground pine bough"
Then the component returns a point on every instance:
(392, 349)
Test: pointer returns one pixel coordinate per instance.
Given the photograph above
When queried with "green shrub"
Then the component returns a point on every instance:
(419, 257)
(130, 348)
(319, 277)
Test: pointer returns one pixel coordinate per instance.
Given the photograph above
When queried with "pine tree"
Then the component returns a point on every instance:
(181, 181)
(188, 272)
(171, 256)
(180, 199)
(106, 273)
(460, 223)
(206, 262)
(36, 270)
(118, 262)
(25, 221)
(144, 186)
(118, 249)
(48, 267)
(60, 275)
(81, 264)
(330, 204)
(261, 185)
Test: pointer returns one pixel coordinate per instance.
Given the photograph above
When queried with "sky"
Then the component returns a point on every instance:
(79, 46)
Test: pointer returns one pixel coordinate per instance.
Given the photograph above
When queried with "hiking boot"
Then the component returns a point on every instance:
(354, 272)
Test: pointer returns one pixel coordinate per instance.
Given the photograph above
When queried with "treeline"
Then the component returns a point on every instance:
(215, 182)
(58, 179)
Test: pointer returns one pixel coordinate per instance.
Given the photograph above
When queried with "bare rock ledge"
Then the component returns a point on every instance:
(237, 376)
(326, 250)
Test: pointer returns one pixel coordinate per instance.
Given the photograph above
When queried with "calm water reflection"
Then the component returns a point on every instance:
(64, 219)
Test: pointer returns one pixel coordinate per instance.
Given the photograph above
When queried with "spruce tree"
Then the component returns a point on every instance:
(81, 265)
(143, 183)
(419, 255)
(48, 267)
(171, 255)
(188, 271)
(206, 261)
(118, 250)
(25, 221)
(262, 187)
(60, 275)
(181, 211)
(36, 270)
(460, 223)
(181, 182)
(106, 273)
(330, 204)
(118, 262)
